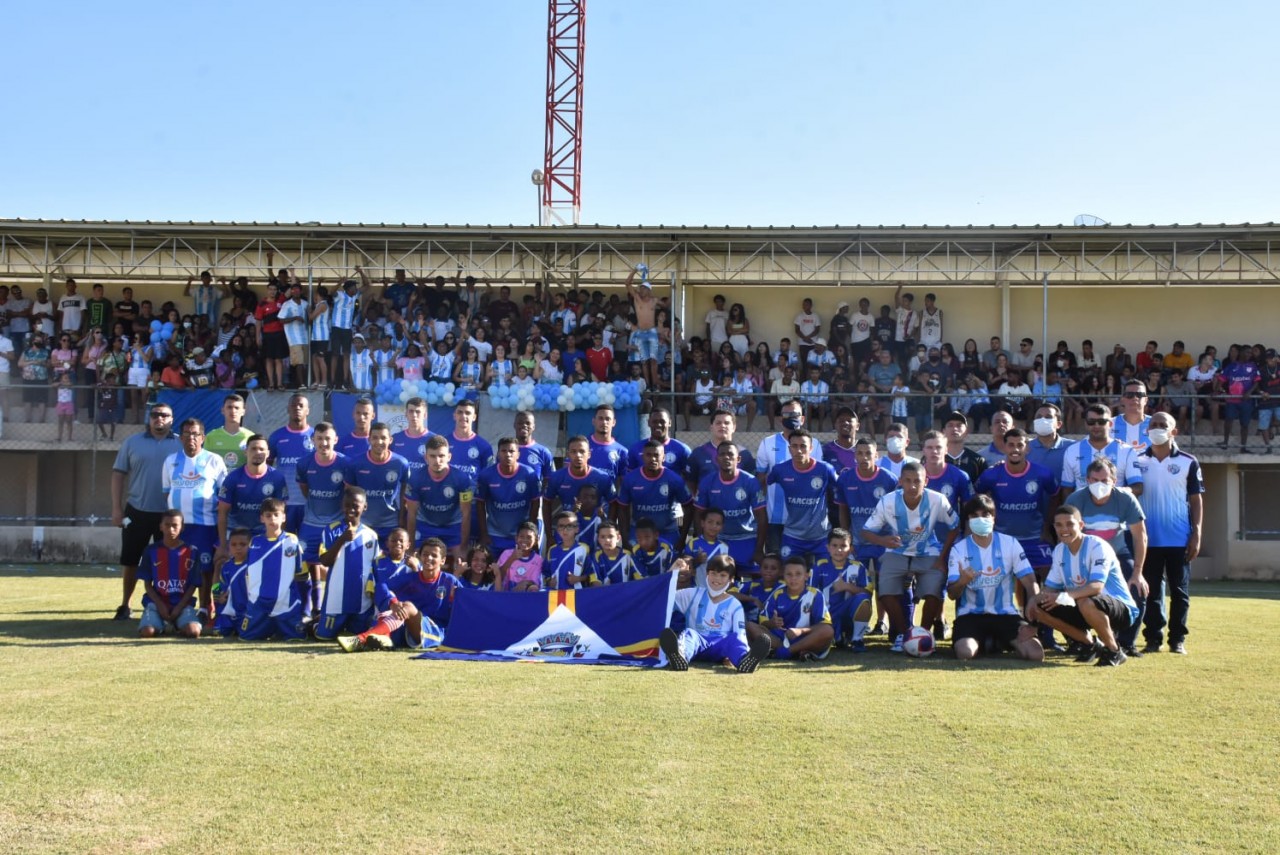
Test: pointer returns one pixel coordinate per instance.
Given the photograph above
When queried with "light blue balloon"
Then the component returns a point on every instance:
(156, 326)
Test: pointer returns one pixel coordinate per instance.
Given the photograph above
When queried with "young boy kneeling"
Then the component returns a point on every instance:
(715, 624)
(796, 616)
(171, 578)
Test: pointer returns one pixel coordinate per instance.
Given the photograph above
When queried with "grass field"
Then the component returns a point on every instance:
(111, 744)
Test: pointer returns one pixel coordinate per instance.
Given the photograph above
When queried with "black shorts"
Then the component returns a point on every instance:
(36, 391)
(1002, 629)
(319, 348)
(1117, 613)
(141, 528)
(274, 345)
(339, 341)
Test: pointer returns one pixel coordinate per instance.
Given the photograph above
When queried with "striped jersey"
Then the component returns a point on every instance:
(1075, 463)
(170, 570)
(611, 571)
(918, 527)
(295, 334)
(269, 572)
(1095, 562)
(998, 566)
(862, 495)
(320, 324)
(708, 619)
(653, 562)
(192, 484)
(802, 612)
(1166, 486)
(349, 586)
(563, 562)
(344, 310)
(362, 369)
(708, 550)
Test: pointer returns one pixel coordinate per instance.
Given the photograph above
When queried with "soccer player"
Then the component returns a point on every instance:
(650, 555)
(507, 495)
(192, 478)
(230, 442)
(288, 446)
(707, 544)
(753, 593)
(981, 573)
(322, 479)
(796, 616)
(590, 515)
(411, 443)
(703, 459)
(229, 593)
(845, 587)
(470, 452)
(533, 454)
(606, 452)
(170, 577)
(348, 594)
(272, 606)
(565, 486)
(675, 453)
(951, 481)
(906, 523)
(244, 490)
(773, 450)
(568, 557)
(740, 499)
(654, 491)
(414, 598)
(715, 625)
(383, 476)
(807, 486)
(1099, 443)
(1086, 570)
(520, 568)
(356, 443)
(840, 451)
(609, 563)
(438, 501)
(858, 491)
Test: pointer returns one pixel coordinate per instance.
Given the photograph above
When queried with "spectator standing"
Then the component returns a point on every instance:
(71, 311)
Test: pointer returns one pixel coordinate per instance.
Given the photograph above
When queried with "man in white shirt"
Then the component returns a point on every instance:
(293, 314)
(71, 311)
(807, 325)
(931, 322)
(42, 313)
(906, 326)
(19, 316)
(864, 325)
(8, 358)
(716, 320)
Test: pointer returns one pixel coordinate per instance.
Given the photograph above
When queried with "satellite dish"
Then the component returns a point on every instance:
(1090, 220)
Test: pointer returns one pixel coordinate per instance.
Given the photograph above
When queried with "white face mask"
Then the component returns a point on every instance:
(1045, 427)
(1099, 489)
(1158, 436)
(895, 444)
(715, 592)
(982, 526)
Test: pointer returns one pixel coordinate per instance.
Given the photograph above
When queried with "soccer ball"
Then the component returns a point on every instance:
(919, 642)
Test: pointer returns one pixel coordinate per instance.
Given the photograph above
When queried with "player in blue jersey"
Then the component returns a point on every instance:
(383, 477)
(414, 598)
(411, 443)
(438, 501)
(272, 606)
(946, 478)
(807, 486)
(356, 443)
(590, 515)
(192, 478)
(606, 452)
(533, 454)
(1085, 569)
(1025, 495)
(349, 558)
(170, 577)
(567, 558)
(321, 479)
(753, 593)
(858, 492)
(675, 454)
(651, 556)
(564, 486)
(654, 491)
(229, 594)
(841, 451)
(288, 446)
(610, 563)
(1099, 443)
(715, 625)
(703, 460)
(507, 494)
(846, 589)
(706, 545)
(245, 489)
(796, 616)
(740, 498)
(983, 572)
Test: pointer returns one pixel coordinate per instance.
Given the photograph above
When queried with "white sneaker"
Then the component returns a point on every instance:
(897, 645)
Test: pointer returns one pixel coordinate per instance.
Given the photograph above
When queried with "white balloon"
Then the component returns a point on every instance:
(569, 406)
(523, 406)
(404, 396)
(448, 399)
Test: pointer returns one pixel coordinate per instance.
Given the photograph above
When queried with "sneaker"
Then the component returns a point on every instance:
(858, 646)
(123, 613)
(1094, 652)
(808, 656)
(670, 644)
(350, 643)
(1152, 647)
(1111, 658)
(878, 629)
(941, 630)
(758, 650)
(373, 641)
(1133, 652)
(1179, 648)
(897, 645)
(1075, 648)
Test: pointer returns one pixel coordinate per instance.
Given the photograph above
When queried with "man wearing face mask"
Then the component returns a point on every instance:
(1109, 513)
(773, 450)
(969, 461)
(1001, 422)
(897, 438)
(1099, 443)
(1049, 447)
(1173, 501)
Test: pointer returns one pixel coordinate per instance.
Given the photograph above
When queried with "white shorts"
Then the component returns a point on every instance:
(139, 377)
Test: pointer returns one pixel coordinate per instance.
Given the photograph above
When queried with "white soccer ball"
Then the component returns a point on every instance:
(918, 642)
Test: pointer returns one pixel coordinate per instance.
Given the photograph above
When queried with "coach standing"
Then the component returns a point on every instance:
(138, 496)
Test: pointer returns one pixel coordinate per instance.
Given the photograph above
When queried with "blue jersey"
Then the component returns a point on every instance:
(1134, 436)
(172, 571)
(675, 456)
(1076, 460)
(440, 500)
(383, 483)
(953, 482)
(825, 573)
(610, 456)
(353, 446)
(772, 453)
(589, 529)
(711, 620)
(231, 580)
(611, 571)
(349, 585)
(839, 457)
(1051, 457)
(324, 483)
(654, 498)
(758, 589)
(802, 612)
(806, 494)
(412, 448)
(470, 455)
(564, 562)
(385, 362)
(708, 550)
(1111, 519)
(1022, 500)
(998, 567)
(738, 500)
(703, 462)
(192, 485)
(290, 447)
(245, 494)
(653, 562)
(1095, 562)
(269, 572)
(861, 496)
(564, 486)
(509, 500)
(539, 458)
(432, 598)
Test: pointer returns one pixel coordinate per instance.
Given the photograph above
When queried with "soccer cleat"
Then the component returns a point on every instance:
(123, 613)
(375, 641)
(1152, 647)
(1133, 652)
(858, 646)
(808, 656)
(1075, 648)
(670, 644)
(941, 630)
(758, 650)
(1094, 652)
(878, 629)
(1179, 648)
(897, 645)
(350, 643)
(1111, 658)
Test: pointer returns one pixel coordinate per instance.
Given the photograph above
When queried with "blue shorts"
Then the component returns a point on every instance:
(1264, 418)
(645, 343)
(694, 645)
(203, 540)
(452, 537)
(293, 518)
(1039, 553)
(226, 624)
(794, 546)
(258, 624)
(743, 553)
(314, 539)
(432, 635)
(329, 627)
(151, 619)
(1242, 410)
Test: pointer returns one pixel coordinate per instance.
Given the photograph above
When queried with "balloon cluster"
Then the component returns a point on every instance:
(161, 331)
(548, 396)
(398, 391)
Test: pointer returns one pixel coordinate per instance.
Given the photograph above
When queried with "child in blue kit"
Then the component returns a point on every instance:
(715, 625)
(610, 563)
(796, 616)
(229, 592)
(652, 556)
(568, 558)
(707, 545)
(843, 583)
(272, 605)
(171, 577)
(347, 607)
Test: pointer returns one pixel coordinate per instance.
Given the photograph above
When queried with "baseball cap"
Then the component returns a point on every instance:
(841, 305)
(957, 416)
(819, 341)
(1271, 353)
(358, 336)
(197, 351)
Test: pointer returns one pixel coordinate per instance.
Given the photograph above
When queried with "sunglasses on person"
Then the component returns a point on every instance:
(1134, 395)
(1096, 422)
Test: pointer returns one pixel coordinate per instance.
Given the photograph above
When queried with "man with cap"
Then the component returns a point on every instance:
(841, 326)
(821, 358)
(199, 369)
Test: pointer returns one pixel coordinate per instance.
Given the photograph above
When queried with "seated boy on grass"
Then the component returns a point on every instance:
(171, 580)
(715, 625)
(796, 616)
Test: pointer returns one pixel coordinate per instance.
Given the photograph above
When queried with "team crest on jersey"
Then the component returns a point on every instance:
(268, 489)
(229, 458)
(290, 551)
(336, 477)
(815, 482)
(473, 452)
(662, 490)
(878, 492)
(521, 487)
(806, 608)
(786, 551)
(1032, 488)
(448, 492)
(422, 450)
(392, 476)
(740, 495)
(948, 490)
(1174, 469)
(308, 445)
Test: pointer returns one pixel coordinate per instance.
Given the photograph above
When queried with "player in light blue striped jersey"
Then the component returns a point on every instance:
(348, 592)
(272, 607)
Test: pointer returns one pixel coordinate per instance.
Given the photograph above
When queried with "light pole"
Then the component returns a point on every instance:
(538, 179)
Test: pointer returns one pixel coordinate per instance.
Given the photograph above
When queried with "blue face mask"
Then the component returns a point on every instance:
(792, 422)
(982, 526)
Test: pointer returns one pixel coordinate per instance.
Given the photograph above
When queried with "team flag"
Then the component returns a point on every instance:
(612, 625)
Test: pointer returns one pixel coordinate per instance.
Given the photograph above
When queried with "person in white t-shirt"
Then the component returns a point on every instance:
(906, 327)
(71, 310)
(863, 327)
(42, 313)
(931, 322)
(716, 321)
(807, 325)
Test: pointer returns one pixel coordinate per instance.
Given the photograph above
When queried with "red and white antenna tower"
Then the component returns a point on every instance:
(561, 179)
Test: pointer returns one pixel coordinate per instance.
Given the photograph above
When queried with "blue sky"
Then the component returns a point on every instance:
(741, 113)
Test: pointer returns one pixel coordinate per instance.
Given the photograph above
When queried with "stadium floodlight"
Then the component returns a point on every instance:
(538, 180)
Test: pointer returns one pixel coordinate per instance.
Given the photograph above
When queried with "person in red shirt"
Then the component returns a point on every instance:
(173, 377)
(271, 339)
(599, 357)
